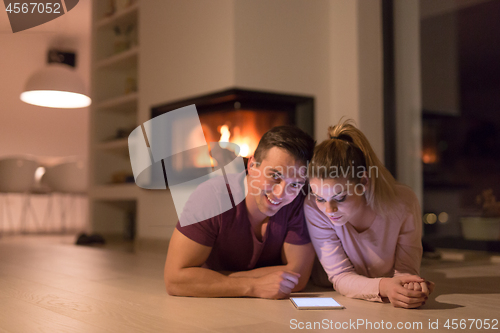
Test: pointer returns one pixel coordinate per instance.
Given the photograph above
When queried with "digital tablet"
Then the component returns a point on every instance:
(315, 303)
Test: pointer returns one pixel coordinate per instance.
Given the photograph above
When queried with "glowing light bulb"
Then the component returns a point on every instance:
(55, 99)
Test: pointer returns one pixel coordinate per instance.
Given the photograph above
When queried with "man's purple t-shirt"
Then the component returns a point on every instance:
(233, 242)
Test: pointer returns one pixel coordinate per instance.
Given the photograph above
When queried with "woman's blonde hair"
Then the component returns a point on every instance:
(346, 153)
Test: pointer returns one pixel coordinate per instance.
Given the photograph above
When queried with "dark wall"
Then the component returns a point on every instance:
(469, 143)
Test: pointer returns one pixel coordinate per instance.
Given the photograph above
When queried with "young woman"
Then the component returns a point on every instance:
(365, 227)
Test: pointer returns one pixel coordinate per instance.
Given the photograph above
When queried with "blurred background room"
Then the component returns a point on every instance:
(421, 78)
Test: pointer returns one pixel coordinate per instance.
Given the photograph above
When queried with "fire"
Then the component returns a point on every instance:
(224, 136)
(244, 150)
(242, 127)
(243, 142)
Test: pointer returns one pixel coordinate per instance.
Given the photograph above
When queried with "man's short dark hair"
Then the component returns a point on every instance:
(290, 138)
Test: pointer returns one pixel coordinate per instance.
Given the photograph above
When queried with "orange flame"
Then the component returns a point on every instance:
(243, 142)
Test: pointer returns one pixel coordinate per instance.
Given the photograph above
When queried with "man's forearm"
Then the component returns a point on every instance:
(203, 282)
(261, 271)
(258, 272)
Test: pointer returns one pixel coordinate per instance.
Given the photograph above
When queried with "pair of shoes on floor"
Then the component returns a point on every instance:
(84, 239)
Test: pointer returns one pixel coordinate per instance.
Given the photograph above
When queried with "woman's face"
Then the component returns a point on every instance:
(341, 200)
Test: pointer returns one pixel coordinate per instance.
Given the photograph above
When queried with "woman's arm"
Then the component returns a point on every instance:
(408, 254)
(409, 247)
(334, 260)
(341, 271)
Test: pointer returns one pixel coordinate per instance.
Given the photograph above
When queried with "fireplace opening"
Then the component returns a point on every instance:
(234, 116)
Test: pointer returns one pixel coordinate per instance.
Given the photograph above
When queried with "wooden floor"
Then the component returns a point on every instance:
(49, 285)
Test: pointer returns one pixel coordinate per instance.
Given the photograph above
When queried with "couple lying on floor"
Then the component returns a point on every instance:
(365, 228)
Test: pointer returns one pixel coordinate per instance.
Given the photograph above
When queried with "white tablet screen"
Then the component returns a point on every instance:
(316, 302)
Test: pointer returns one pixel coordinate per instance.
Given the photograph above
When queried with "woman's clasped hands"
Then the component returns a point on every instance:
(406, 291)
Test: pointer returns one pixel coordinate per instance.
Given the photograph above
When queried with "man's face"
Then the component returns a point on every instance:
(276, 181)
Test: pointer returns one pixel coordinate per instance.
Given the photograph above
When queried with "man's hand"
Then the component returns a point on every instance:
(399, 296)
(275, 285)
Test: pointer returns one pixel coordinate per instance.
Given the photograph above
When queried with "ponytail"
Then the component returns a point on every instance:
(347, 148)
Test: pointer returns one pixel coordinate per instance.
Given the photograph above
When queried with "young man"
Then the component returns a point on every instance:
(260, 248)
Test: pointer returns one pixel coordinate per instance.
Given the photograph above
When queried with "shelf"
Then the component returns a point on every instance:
(125, 103)
(122, 60)
(119, 146)
(114, 144)
(115, 191)
(121, 17)
(113, 113)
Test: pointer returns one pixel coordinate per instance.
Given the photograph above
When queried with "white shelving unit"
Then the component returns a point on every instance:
(121, 104)
(114, 114)
(122, 16)
(123, 60)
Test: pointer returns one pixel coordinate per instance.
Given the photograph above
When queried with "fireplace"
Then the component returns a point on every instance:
(235, 116)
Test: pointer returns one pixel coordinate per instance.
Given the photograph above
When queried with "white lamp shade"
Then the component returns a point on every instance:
(56, 86)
